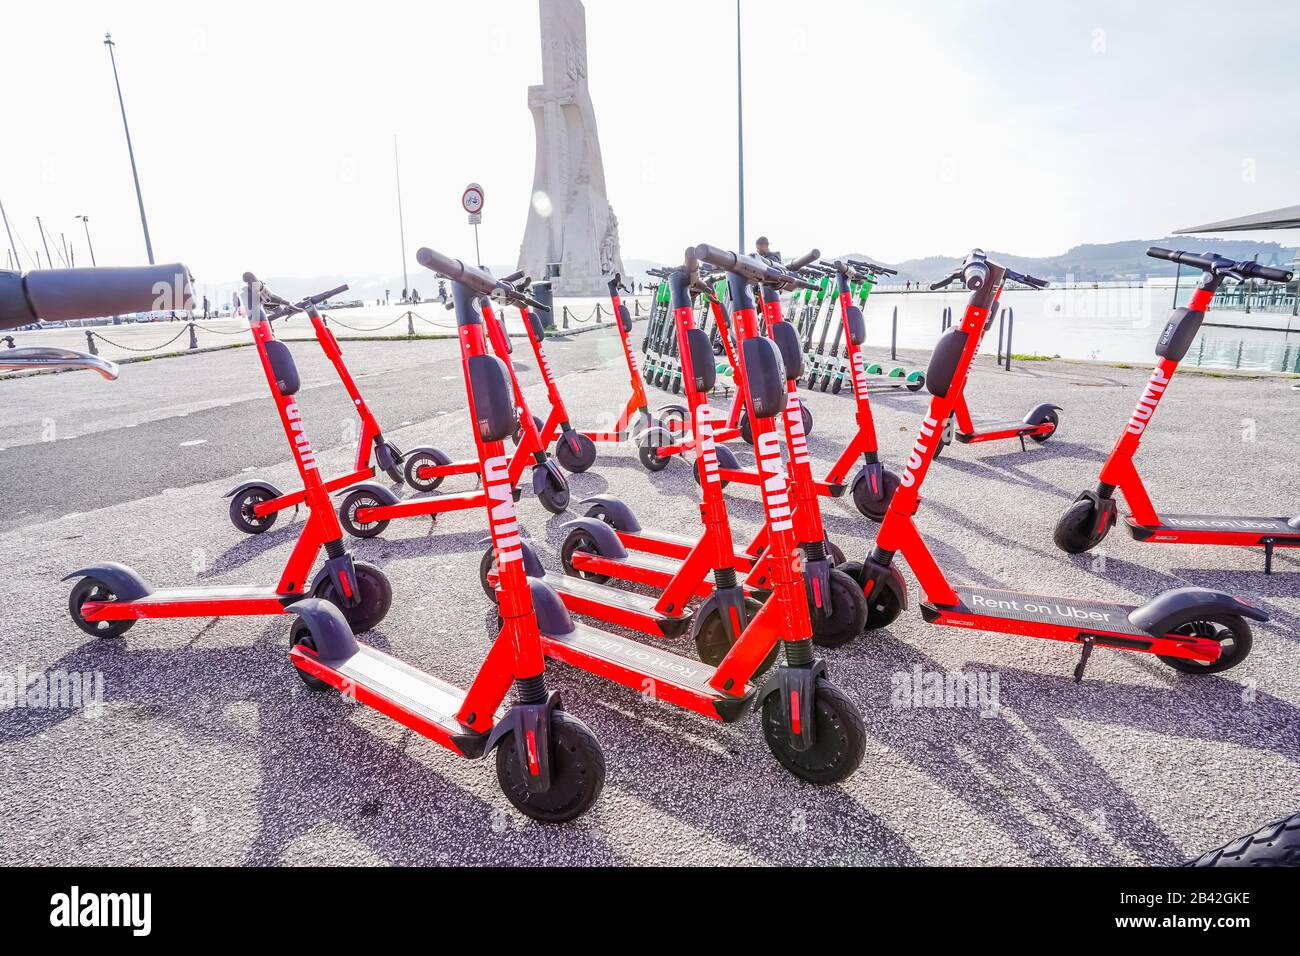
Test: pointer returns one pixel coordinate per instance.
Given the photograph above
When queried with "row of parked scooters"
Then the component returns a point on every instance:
(756, 613)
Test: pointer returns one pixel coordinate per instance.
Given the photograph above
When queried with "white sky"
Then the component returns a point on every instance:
(263, 131)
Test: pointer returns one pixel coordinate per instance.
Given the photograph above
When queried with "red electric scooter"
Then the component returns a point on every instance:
(1194, 630)
(368, 509)
(255, 504)
(548, 763)
(812, 728)
(109, 598)
(1092, 514)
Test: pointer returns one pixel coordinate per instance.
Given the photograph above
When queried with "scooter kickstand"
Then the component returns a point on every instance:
(1083, 658)
(1268, 555)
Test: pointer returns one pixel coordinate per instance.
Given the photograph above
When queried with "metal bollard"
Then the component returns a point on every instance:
(194, 340)
(1002, 320)
(564, 317)
(410, 324)
(893, 337)
(90, 343)
(1011, 328)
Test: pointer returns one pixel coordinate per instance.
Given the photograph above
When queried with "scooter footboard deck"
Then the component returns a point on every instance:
(192, 602)
(413, 698)
(994, 431)
(627, 608)
(650, 670)
(1040, 615)
(1216, 529)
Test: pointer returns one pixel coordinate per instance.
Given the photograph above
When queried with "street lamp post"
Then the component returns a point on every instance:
(740, 135)
(85, 221)
(139, 197)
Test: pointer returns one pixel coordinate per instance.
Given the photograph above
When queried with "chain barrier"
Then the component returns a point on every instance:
(90, 336)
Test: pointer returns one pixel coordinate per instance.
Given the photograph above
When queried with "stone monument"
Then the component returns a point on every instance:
(570, 221)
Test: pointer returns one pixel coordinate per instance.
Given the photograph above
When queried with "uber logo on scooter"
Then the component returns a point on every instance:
(75, 909)
(708, 447)
(1050, 609)
(301, 446)
(505, 521)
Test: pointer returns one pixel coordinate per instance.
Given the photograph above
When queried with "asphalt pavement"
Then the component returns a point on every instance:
(207, 749)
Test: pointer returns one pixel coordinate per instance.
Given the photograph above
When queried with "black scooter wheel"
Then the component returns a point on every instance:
(837, 384)
(840, 738)
(834, 553)
(1232, 633)
(300, 633)
(577, 773)
(580, 540)
(373, 589)
(486, 565)
(712, 643)
(555, 495)
(421, 458)
(575, 452)
(872, 507)
(883, 608)
(241, 511)
(1052, 417)
(726, 460)
(1080, 529)
(945, 437)
(848, 616)
(651, 459)
(93, 589)
(518, 435)
(348, 510)
(807, 419)
(1274, 844)
(746, 430)
(393, 471)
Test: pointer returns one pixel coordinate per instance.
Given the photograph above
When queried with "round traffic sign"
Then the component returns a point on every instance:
(472, 199)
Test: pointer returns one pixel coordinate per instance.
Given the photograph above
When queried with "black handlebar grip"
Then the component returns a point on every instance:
(1155, 252)
(60, 295)
(1270, 273)
(942, 283)
(718, 258)
(514, 276)
(453, 269)
(326, 296)
(804, 260)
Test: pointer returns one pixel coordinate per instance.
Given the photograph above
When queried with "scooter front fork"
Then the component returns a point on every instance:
(530, 720)
(796, 683)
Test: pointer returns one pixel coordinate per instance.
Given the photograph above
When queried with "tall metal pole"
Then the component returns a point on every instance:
(740, 134)
(401, 223)
(9, 232)
(41, 229)
(139, 197)
(85, 221)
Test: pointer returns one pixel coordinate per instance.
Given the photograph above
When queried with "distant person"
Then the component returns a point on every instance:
(764, 249)
(909, 285)
(415, 296)
(442, 291)
(205, 307)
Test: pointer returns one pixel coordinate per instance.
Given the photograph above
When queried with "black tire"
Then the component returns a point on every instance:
(1232, 633)
(834, 553)
(1052, 417)
(575, 452)
(807, 419)
(554, 495)
(945, 436)
(668, 415)
(711, 642)
(915, 384)
(300, 633)
(1079, 529)
(241, 511)
(395, 474)
(849, 617)
(577, 772)
(93, 589)
(348, 509)
(580, 540)
(648, 444)
(485, 565)
(424, 458)
(869, 507)
(376, 597)
(518, 434)
(886, 607)
(837, 384)
(1275, 844)
(746, 430)
(726, 460)
(841, 740)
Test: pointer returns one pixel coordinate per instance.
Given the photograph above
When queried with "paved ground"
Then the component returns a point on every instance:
(209, 751)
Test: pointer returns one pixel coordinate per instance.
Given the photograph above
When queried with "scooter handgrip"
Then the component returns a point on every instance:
(718, 258)
(514, 276)
(804, 260)
(1254, 270)
(326, 296)
(942, 283)
(452, 269)
(59, 295)
(1155, 252)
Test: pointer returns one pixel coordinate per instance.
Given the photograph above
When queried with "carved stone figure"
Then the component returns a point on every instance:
(570, 221)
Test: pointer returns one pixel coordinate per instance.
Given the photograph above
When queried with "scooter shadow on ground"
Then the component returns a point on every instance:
(249, 548)
(1007, 468)
(1258, 587)
(1030, 776)
(322, 768)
